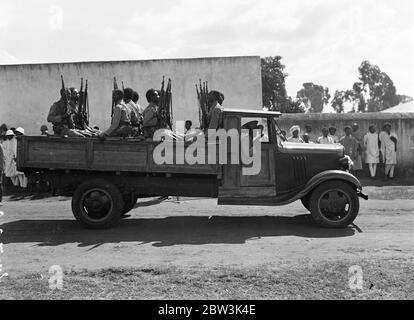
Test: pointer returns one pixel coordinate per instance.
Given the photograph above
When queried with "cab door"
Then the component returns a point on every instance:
(238, 187)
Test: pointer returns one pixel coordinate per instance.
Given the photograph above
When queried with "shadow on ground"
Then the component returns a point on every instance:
(168, 231)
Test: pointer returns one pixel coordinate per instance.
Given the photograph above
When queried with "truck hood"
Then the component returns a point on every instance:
(312, 148)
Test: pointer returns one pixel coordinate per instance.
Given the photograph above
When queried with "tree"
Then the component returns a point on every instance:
(292, 106)
(313, 96)
(273, 85)
(379, 86)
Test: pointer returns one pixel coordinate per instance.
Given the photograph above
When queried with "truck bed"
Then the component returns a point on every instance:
(91, 154)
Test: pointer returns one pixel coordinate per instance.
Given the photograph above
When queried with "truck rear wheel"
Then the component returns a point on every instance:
(97, 204)
(334, 204)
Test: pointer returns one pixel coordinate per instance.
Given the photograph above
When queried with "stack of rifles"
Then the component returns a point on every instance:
(80, 120)
(202, 93)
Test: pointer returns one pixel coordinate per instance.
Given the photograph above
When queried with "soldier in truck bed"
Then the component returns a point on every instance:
(151, 117)
(61, 116)
(121, 119)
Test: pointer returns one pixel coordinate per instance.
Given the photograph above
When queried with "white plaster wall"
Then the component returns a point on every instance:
(28, 91)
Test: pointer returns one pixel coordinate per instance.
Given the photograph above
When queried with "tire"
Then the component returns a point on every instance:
(129, 203)
(97, 204)
(334, 204)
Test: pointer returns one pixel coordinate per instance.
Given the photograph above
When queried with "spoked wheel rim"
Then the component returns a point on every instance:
(96, 204)
(335, 205)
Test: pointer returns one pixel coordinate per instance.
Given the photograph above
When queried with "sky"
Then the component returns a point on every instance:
(321, 41)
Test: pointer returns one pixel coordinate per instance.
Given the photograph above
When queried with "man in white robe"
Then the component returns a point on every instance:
(371, 141)
(10, 152)
(388, 141)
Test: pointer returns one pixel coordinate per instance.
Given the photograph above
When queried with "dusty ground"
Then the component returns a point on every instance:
(196, 249)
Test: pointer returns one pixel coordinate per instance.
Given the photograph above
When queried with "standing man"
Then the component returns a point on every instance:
(388, 142)
(325, 139)
(305, 138)
(3, 130)
(215, 114)
(121, 118)
(61, 116)
(44, 130)
(349, 143)
(9, 153)
(295, 132)
(371, 142)
(359, 137)
(309, 131)
(187, 126)
(332, 134)
(151, 121)
(21, 177)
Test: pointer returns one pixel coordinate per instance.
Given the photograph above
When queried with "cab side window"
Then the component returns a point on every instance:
(258, 127)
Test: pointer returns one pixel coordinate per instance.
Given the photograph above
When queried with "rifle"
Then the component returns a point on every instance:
(202, 93)
(67, 114)
(79, 115)
(86, 103)
(83, 112)
(200, 114)
(113, 102)
(169, 104)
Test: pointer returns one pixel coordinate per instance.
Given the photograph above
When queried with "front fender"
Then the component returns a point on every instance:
(329, 175)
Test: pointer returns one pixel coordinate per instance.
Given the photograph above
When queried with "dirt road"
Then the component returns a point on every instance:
(196, 234)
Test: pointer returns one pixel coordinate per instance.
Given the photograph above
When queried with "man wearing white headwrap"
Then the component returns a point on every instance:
(295, 135)
(10, 152)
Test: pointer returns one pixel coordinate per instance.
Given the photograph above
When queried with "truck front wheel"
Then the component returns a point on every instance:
(97, 204)
(334, 204)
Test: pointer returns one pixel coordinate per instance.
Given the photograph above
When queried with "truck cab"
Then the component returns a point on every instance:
(105, 178)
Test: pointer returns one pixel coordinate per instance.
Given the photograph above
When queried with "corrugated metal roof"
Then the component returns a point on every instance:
(402, 107)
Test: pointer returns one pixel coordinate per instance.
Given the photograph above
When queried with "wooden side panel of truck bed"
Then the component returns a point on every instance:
(90, 154)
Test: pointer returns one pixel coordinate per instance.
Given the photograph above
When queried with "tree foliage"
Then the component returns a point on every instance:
(379, 87)
(314, 96)
(339, 98)
(274, 88)
(375, 92)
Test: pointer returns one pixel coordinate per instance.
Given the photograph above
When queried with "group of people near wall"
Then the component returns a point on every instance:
(8, 153)
(375, 147)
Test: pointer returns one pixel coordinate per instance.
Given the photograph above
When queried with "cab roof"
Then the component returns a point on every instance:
(252, 112)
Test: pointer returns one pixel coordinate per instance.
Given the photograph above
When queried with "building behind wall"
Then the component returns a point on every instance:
(28, 91)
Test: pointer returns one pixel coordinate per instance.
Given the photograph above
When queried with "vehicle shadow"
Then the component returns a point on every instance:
(168, 231)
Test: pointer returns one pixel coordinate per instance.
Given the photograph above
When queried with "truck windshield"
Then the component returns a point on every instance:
(281, 135)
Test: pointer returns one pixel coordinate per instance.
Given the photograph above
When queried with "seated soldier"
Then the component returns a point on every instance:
(128, 95)
(151, 120)
(121, 118)
(135, 98)
(61, 116)
(215, 114)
